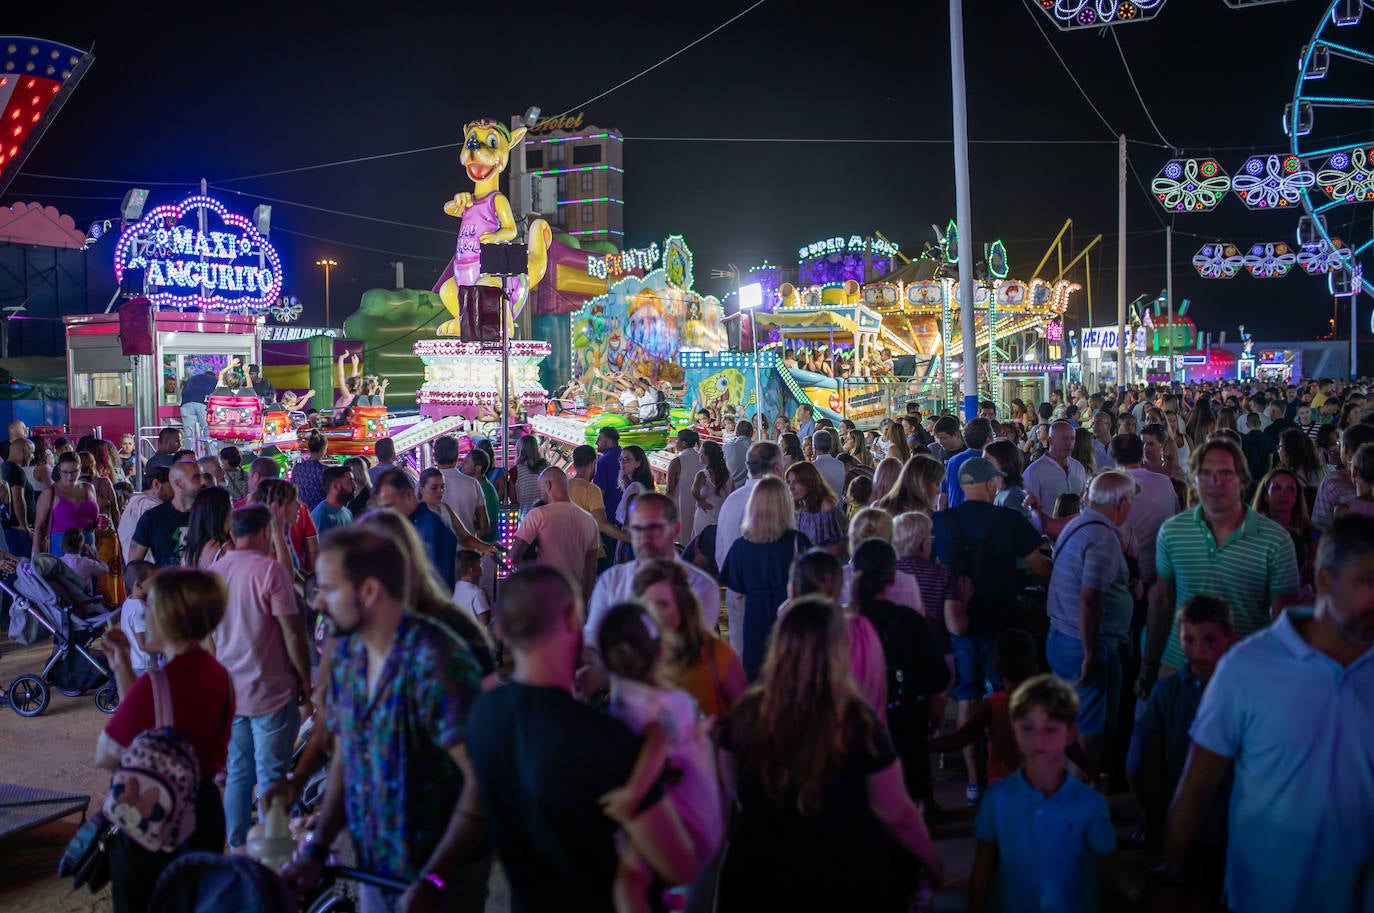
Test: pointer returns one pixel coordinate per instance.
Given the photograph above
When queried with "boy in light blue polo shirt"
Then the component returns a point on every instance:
(1040, 831)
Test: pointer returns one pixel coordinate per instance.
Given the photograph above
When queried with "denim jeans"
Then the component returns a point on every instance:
(259, 753)
(193, 426)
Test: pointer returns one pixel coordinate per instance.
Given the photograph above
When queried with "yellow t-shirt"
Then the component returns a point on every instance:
(588, 497)
(1318, 400)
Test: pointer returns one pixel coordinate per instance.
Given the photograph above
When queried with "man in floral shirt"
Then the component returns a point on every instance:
(398, 698)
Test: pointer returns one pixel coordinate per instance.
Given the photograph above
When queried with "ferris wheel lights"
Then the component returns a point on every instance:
(1342, 284)
(1318, 62)
(1303, 122)
(1347, 12)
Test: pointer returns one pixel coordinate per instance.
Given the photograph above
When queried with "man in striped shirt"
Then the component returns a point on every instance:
(1221, 548)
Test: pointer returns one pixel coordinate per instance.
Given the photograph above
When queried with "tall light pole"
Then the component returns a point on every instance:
(328, 265)
(750, 298)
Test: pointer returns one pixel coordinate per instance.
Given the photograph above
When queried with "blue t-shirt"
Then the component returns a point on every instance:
(440, 541)
(1297, 725)
(198, 388)
(327, 517)
(954, 492)
(1046, 845)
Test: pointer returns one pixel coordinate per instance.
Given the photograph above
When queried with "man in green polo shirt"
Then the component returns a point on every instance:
(1221, 548)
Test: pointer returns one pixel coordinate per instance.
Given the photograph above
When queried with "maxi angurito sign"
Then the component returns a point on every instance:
(197, 254)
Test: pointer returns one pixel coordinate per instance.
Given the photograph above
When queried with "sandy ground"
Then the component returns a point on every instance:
(55, 751)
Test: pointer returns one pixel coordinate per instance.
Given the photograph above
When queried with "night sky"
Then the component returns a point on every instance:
(222, 91)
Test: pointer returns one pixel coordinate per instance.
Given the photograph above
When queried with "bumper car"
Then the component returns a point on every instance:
(234, 418)
(358, 436)
(649, 435)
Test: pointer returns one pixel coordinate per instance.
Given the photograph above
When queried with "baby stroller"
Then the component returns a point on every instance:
(49, 600)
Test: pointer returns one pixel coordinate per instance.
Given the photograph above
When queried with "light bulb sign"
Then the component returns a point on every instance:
(197, 254)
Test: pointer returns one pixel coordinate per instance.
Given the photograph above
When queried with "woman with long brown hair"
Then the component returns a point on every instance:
(917, 487)
(711, 486)
(820, 516)
(885, 477)
(694, 658)
(824, 821)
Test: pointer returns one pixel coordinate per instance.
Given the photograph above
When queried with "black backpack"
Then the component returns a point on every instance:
(989, 592)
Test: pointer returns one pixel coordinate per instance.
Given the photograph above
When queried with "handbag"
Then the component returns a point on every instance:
(87, 857)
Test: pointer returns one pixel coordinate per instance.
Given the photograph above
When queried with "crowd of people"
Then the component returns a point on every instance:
(730, 686)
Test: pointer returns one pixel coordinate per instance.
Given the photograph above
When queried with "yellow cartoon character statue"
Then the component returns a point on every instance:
(487, 219)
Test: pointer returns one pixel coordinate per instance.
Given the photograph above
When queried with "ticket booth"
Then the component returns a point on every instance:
(105, 384)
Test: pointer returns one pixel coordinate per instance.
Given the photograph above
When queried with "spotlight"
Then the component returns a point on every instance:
(132, 207)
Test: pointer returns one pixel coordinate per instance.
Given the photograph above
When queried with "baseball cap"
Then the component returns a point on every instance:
(977, 470)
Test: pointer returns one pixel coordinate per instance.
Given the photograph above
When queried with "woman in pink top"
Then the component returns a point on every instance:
(68, 504)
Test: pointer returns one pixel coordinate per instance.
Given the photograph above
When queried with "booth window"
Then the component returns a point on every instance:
(101, 378)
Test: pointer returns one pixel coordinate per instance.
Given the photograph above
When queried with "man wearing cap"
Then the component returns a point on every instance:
(261, 385)
(980, 543)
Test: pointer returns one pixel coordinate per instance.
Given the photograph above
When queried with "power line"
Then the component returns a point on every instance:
(741, 14)
(334, 212)
(1084, 92)
(1131, 78)
(867, 141)
(375, 250)
(62, 177)
(352, 161)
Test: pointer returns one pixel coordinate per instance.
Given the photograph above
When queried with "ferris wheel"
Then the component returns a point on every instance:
(1328, 123)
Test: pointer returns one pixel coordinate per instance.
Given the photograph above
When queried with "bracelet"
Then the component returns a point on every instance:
(434, 881)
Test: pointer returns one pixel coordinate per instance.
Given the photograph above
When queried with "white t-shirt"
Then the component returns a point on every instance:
(1047, 480)
(616, 584)
(628, 400)
(463, 495)
(133, 620)
(471, 599)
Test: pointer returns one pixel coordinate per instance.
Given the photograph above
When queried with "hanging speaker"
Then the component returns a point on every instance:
(136, 336)
(479, 313)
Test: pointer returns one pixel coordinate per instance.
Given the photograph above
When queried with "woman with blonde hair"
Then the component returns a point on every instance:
(875, 523)
(820, 515)
(817, 783)
(757, 565)
(917, 487)
(184, 608)
(913, 538)
(885, 477)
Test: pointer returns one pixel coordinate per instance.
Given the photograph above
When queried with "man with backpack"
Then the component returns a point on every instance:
(980, 543)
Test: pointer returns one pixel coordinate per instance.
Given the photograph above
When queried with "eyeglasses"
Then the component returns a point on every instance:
(654, 528)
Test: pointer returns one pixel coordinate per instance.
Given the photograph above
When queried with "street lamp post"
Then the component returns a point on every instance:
(328, 265)
(750, 298)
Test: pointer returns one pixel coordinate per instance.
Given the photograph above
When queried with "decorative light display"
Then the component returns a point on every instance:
(467, 375)
(1348, 176)
(234, 269)
(1271, 182)
(1218, 261)
(1082, 14)
(286, 309)
(1011, 293)
(998, 266)
(36, 78)
(952, 242)
(1321, 257)
(677, 262)
(926, 293)
(1190, 185)
(1270, 261)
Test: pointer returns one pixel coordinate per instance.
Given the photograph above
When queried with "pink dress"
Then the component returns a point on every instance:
(866, 661)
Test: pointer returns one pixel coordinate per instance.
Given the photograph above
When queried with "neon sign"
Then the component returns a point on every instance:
(831, 246)
(638, 258)
(197, 254)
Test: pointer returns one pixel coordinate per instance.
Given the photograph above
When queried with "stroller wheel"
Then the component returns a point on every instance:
(107, 698)
(29, 695)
